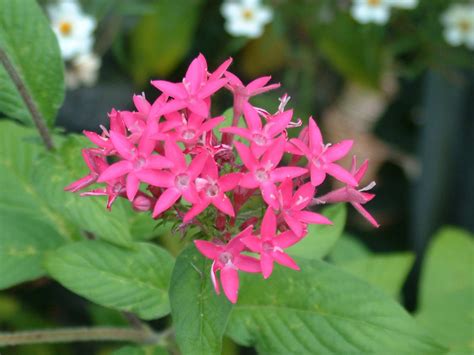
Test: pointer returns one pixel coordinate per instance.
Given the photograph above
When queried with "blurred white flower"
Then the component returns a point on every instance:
(459, 25)
(403, 4)
(246, 17)
(73, 28)
(83, 70)
(366, 11)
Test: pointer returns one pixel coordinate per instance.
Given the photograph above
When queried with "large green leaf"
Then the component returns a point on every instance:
(322, 310)
(199, 315)
(32, 49)
(161, 40)
(321, 238)
(141, 350)
(387, 272)
(23, 241)
(134, 280)
(348, 248)
(449, 262)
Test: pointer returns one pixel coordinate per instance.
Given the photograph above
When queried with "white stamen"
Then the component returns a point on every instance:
(368, 187)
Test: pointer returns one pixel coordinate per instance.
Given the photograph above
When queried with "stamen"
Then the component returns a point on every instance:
(368, 187)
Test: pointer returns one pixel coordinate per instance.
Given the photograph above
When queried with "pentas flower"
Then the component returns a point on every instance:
(193, 91)
(263, 173)
(321, 157)
(356, 198)
(169, 155)
(270, 246)
(260, 137)
(228, 260)
(137, 161)
(291, 207)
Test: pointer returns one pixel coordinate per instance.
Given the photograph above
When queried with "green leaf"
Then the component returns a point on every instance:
(23, 241)
(320, 239)
(161, 40)
(128, 280)
(448, 262)
(322, 310)
(387, 272)
(348, 248)
(141, 350)
(199, 315)
(32, 48)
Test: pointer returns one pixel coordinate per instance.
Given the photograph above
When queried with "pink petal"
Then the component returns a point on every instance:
(115, 170)
(190, 194)
(211, 87)
(247, 264)
(195, 75)
(158, 162)
(341, 174)
(174, 90)
(295, 225)
(258, 83)
(126, 149)
(266, 262)
(312, 217)
(285, 260)
(338, 151)
(197, 164)
(210, 169)
(210, 124)
(315, 138)
(141, 104)
(246, 156)
(279, 123)
(156, 178)
(233, 79)
(254, 122)
(299, 145)
(170, 106)
(286, 240)
(264, 89)
(287, 172)
(269, 194)
(208, 249)
(230, 181)
(268, 227)
(166, 200)
(81, 183)
(195, 210)
(359, 174)
(96, 192)
(274, 153)
(239, 131)
(199, 107)
(303, 196)
(223, 204)
(366, 214)
(175, 155)
(253, 243)
(248, 181)
(214, 278)
(286, 192)
(97, 139)
(317, 175)
(132, 186)
(220, 70)
(230, 283)
(146, 145)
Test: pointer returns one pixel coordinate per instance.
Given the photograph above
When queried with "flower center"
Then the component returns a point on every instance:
(212, 190)
(65, 28)
(464, 25)
(188, 134)
(259, 139)
(247, 14)
(374, 2)
(226, 258)
(117, 188)
(139, 163)
(261, 175)
(267, 246)
(182, 181)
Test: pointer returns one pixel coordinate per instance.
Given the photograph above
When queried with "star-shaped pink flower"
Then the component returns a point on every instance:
(228, 260)
(322, 157)
(264, 173)
(188, 129)
(356, 198)
(270, 246)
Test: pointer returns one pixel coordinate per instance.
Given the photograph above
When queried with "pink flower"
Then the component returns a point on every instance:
(190, 129)
(270, 246)
(263, 172)
(136, 162)
(243, 93)
(260, 137)
(103, 140)
(193, 91)
(211, 189)
(93, 162)
(357, 198)
(321, 157)
(291, 207)
(179, 181)
(228, 260)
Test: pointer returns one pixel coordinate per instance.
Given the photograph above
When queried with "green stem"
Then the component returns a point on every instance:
(81, 334)
(38, 119)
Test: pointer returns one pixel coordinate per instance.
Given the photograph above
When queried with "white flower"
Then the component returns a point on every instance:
(246, 17)
(365, 11)
(72, 27)
(459, 25)
(83, 70)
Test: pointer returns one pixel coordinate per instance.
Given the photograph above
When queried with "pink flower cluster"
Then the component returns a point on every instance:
(172, 158)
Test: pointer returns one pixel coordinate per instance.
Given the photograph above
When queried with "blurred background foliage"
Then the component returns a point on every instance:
(402, 92)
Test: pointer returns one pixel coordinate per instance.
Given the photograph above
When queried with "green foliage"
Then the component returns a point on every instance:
(321, 238)
(199, 315)
(322, 310)
(447, 290)
(134, 280)
(160, 40)
(141, 350)
(32, 49)
(348, 248)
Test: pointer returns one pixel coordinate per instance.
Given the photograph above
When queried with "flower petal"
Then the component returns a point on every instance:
(338, 151)
(312, 217)
(285, 260)
(223, 204)
(246, 156)
(174, 90)
(166, 200)
(341, 174)
(208, 249)
(126, 149)
(115, 170)
(315, 137)
(287, 172)
(229, 181)
(254, 123)
(230, 283)
(269, 194)
(268, 227)
(132, 186)
(266, 262)
(248, 264)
